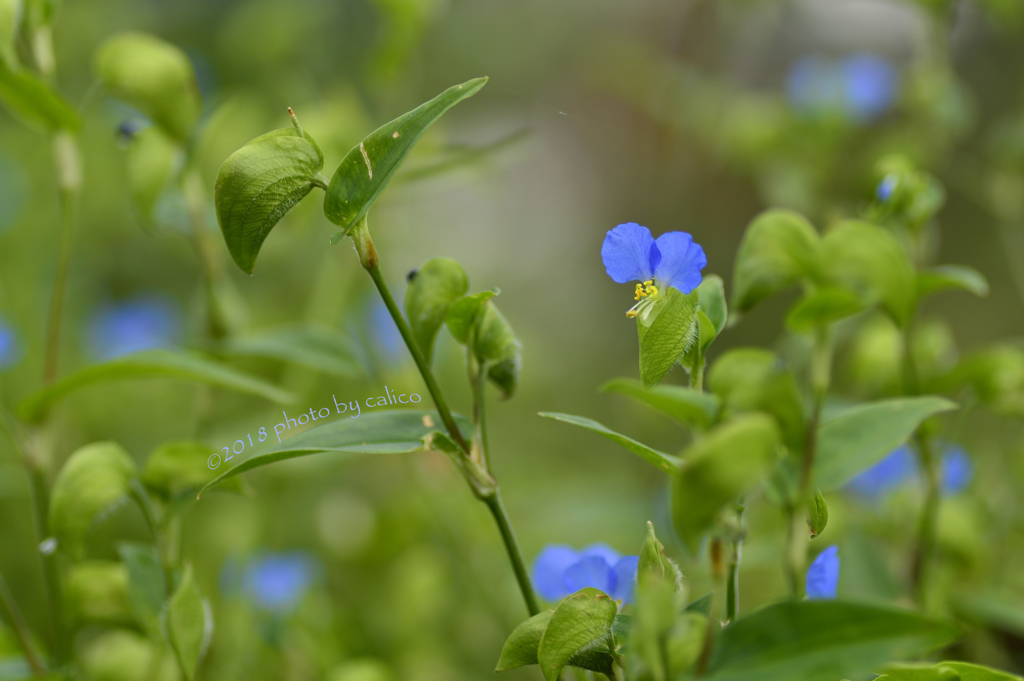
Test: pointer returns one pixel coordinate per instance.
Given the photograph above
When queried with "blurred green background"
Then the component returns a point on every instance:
(680, 115)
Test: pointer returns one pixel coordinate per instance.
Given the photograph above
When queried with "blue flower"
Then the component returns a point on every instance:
(863, 86)
(823, 574)
(385, 334)
(892, 471)
(886, 187)
(561, 570)
(8, 345)
(276, 582)
(630, 253)
(141, 323)
(957, 469)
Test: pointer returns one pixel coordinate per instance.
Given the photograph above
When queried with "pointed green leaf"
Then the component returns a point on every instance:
(665, 338)
(860, 437)
(581, 624)
(94, 478)
(654, 564)
(661, 460)
(821, 640)
(817, 514)
(188, 624)
(261, 182)
(97, 591)
(947, 277)
(826, 305)
(368, 167)
(147, 586)
(945, 671)
(871, 262)
(779, 248)
(325, 350)
(726, 463)
(10, 21)
(150, 162)
(521, 647)
(155, 77)
(702, 605)
(434, 287)
(384, 432)
(461, 316)
(187, 366)
(687, 406)
(753, 379)
(35, 103)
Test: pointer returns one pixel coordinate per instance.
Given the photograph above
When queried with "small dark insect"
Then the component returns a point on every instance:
(412, 275)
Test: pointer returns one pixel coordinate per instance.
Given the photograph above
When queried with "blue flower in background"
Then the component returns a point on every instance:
(561, 570)
(823, 574)
(8, 345)
(885, 188)
(141, 323)
(957, 469)
(276, 582)
(887, 474)
(385, 334)
(630, 253)
(863, 86)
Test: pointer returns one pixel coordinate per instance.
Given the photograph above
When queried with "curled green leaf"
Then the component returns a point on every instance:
(432, 289)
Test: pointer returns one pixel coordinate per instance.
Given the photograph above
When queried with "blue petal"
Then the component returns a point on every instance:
(276, 582)
(871, 85)
(610, 555)
(823, 575)
(142, 323)
(625, 578)
(592, 571)
(681, 262)
(886, 187)
(629, 253)
(957, 469)
(549, 571)
(8, 345)
(890, 472)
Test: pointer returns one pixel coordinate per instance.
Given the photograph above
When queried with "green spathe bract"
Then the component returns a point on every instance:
(664, 339)
(436, 285)
(779, 248)
(369, 166)
(579, 633)
(261, 182)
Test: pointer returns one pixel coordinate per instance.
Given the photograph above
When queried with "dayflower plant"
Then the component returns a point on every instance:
(560, 570)
(631, 253)
(823, 574)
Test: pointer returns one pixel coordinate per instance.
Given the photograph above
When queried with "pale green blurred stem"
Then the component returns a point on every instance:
(24, 636)
(732, 584)
(370, 261)
(697, 374)
(196, 206)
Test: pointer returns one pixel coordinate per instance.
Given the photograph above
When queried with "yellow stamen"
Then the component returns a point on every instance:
(646, 289)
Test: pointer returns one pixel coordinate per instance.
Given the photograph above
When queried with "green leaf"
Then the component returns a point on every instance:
(435, 286)
(10, 21)
(389, 432)
(370, 165)
(261, 182)
(521, 647)
(35, 103)
(461, 316)
(946, 671)
(726, 463)
(505, 375)
(661, 460)
(711, 299)
(97, 591)
(779, 248)
(496, 346)
(187, 366)
(702, 605)
(155, 77)
(176, 470)
(579, 629)
(325, 350)
(753, 379)
(991, 608)
(946, 277)
(94, 478)
(687, 406)
(821, 640)
(654, 564)
(860, 437)
(817, 514)
(977, 672)
(188, 624)
(870, 262)
(663, 642)
(665, 338)
(825, 306)
(147, 586)
(150, 162)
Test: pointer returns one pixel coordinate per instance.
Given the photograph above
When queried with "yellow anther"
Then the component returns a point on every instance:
(646, 289)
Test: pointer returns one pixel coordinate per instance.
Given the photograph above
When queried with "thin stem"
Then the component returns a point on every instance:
(478, 379)
(697, 374)
(732, 585)
(213, 274)
(924, 556)
(512, 547)
(20, 629)
(48, 557)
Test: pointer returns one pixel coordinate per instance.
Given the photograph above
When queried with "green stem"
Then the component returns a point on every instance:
(924, 557)
(697, 373)
(732, 585)
(194, 195)
(512, 547)
(20, 629)
(478, 379)
(48, 557)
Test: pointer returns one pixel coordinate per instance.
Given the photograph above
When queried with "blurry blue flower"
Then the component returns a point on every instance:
(560, 570)
(886, 187)
(823, 574)
(890, 472)
(863, 86)
(141, 323)
(957, 469)
(630, 253)
(276, 582)
(385, 334)
(8, 345)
